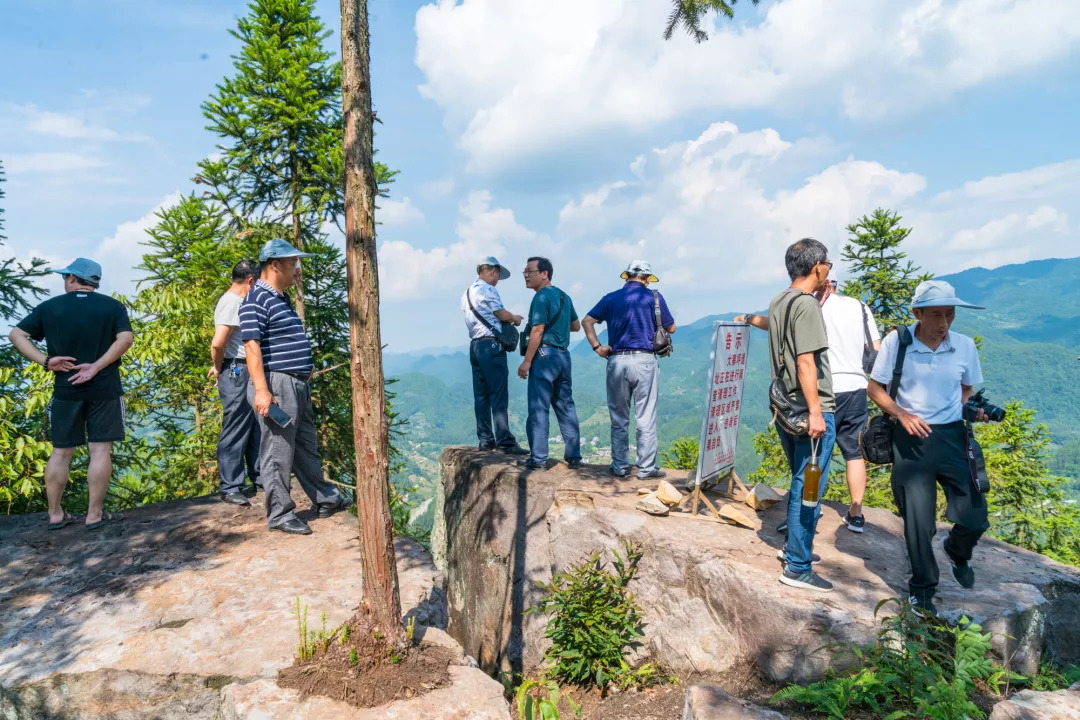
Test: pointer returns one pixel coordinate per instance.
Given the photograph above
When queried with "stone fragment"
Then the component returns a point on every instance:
(707, 702)
(735, 516)
(762, 497)
(643, 491)
(667, 494)
(652, 505)
(1033, 705)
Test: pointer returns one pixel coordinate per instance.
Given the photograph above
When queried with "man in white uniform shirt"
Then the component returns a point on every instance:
(850, 328)
(484, 314)
(939, 371)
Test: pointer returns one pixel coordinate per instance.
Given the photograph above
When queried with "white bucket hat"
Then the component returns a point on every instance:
(938, 293)
(639, 267)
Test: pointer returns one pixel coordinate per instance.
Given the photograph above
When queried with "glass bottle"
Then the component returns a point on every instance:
(811, 491)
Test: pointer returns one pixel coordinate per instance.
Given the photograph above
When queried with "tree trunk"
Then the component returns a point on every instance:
(380, 582)
(297, 237)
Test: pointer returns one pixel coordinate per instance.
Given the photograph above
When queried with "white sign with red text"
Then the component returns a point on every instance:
(720, 429)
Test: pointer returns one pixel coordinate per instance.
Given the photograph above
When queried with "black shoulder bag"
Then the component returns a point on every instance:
(876, 441)
(528, 328)
(869, 354)
(507, 336)
(791, 416)
(661, 343)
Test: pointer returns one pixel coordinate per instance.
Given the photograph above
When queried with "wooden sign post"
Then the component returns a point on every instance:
(723, 409)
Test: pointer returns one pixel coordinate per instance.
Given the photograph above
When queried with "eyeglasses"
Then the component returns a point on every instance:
(826, 262)
(528, 272)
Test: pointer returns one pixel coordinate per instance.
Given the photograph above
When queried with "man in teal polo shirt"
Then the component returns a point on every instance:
(547, 366)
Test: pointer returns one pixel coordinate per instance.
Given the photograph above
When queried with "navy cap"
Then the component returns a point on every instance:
(278, 248)
(83, 269)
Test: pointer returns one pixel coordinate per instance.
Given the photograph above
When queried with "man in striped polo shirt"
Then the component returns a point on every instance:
(280, 364)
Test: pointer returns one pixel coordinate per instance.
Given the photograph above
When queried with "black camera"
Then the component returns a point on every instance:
(977, 403)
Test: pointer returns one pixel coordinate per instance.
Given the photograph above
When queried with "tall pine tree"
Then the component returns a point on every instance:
(881, 275)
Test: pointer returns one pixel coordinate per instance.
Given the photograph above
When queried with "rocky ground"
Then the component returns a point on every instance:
(186, 610)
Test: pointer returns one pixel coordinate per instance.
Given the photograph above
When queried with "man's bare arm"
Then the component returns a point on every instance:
(263, 398)
(508, 317)
(222, 333)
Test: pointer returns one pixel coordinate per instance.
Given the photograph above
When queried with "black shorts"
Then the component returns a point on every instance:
(851, 417)
(73, 422)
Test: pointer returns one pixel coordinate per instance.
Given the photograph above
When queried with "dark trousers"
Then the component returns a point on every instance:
(238, 444)
(291, 449)
(490, 397)
(920, 465)
(550, 387)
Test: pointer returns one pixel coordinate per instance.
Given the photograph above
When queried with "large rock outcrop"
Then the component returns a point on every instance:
(709, 590)
(1034, 705)
(157, 615)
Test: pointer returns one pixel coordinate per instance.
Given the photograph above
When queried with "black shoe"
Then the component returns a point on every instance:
(326, 511)
(618, 474)
(486, 446)
(961, 569)
(923, 607)
(250, 491)
(807, 581)
(574, 463)
(514, 450)
(296, 526)
(235, 498)
(656, 473)
(855, 523)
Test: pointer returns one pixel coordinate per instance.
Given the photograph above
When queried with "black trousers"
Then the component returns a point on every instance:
(238, 443)
(920, 465)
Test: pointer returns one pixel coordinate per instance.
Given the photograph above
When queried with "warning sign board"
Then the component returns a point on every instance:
(720, 428)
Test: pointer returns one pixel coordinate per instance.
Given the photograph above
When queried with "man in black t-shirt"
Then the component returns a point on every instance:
(85, 335)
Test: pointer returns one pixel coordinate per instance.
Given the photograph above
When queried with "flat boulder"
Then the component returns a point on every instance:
(1034, 705)
(708, 702)
(709, 590)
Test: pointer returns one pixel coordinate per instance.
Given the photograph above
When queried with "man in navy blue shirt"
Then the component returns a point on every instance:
(279, 362)
(633, 374)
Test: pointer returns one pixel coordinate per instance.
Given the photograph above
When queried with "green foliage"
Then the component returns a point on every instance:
(1052, 677)
(682, 454)
(880, 277)
(689, 13)
(594, 620)
(312, 641)
(1027, 503)
(539, 700)
(773, 469)
(916, 668)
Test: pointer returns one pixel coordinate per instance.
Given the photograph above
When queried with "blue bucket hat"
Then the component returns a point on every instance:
(278, 248)
(938, 293)
(84, 269)
(493, 261)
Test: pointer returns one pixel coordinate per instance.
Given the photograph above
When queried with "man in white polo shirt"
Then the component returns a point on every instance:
(939, 371)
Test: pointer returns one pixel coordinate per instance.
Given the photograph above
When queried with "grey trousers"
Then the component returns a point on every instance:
(293, 449)
(238, 443)
(633, 379)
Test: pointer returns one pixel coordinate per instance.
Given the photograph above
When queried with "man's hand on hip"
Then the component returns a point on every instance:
(603, 351)
(263, 398)
(817, 425)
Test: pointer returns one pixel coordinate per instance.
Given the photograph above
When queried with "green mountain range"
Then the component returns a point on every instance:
(1031, 340)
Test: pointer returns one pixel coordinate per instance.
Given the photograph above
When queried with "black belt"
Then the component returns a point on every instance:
(290, 373)
(631, 352)
(484, 339)
(554, 347)
(231, 360)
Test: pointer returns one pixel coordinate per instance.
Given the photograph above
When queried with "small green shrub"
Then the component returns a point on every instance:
(916, 668)
(354, 657)
(682, 455)
(310, 641)
(539, 700)
(594, 619)
(1052, 677)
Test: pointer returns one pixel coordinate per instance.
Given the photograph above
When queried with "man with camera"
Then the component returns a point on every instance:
(633, 315)
(930, 443)
(280, 364)
(484, 317)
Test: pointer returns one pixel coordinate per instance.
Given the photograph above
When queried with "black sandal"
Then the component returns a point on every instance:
(68, 519)
(106, 517)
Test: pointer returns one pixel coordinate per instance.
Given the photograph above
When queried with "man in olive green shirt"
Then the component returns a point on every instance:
(797, 350)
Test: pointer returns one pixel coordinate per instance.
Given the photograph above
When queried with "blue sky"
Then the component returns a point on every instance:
(524, 127)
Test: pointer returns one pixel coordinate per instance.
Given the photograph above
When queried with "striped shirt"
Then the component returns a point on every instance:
(267, 316)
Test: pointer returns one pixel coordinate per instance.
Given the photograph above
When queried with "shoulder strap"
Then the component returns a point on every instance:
(656, 307)
(782, 368)
(903, 335)
(866, 327)
(479, 317)
(558, 313)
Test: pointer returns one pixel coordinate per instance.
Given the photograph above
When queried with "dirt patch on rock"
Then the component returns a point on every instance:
(359, 666)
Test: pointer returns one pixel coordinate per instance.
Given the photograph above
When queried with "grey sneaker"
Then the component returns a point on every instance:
(656, 473)
(807, 581)
(855, 523)
(961, 569)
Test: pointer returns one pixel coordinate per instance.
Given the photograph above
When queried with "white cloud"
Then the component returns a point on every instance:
(123, 250)
(438, 188)
(551, 72)
(407, 272)
(68, 125)
(50, 163)
(393, 213)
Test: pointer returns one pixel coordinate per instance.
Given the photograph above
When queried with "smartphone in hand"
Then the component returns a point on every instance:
(279, 416)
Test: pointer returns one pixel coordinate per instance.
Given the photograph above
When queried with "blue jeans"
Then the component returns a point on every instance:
(490, 399)
(549, 385)
(802, 520)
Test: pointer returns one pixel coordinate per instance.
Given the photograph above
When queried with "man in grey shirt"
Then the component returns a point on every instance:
(238, 444)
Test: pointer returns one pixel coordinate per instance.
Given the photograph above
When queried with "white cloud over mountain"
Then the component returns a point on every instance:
(551, 72)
